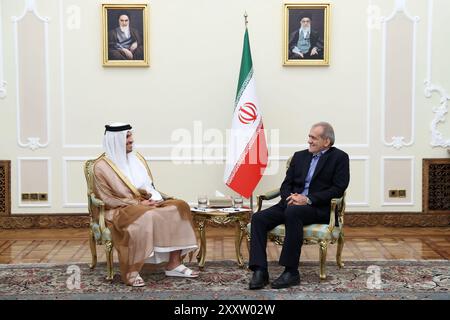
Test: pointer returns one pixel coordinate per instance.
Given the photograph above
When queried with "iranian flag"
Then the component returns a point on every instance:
(247, 149)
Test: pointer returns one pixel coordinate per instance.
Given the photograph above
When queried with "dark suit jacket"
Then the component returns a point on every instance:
(330, 179)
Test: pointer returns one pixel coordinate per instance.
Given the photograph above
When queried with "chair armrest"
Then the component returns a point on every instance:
(266, 196)
(97, 202)
(101, 211)
(336, 203)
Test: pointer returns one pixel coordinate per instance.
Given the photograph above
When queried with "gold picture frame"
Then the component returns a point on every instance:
(125, 35)
(311, 22)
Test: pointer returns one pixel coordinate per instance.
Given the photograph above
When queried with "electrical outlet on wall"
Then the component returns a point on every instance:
(43, 196)
(393, 193)
(34, 196)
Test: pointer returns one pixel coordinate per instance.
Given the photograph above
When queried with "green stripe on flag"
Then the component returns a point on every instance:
(246, 65)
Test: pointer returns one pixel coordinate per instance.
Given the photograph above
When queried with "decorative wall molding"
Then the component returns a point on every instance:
(65, 178)
(412, 173)
(2, 75)
(437, 139)
(19, 182)
(365, 202)
(398, 141)
(352, 219)
(66, 203)
(193, 146)
(32, 143)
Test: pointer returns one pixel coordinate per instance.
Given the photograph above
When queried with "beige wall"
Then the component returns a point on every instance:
(195, 50)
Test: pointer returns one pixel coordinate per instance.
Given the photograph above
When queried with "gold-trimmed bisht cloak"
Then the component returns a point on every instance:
(141, 234)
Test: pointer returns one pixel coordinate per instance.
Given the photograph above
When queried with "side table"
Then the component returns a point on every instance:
(220, 218)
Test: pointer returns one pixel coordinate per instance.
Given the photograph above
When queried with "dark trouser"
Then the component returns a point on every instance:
(294, 218)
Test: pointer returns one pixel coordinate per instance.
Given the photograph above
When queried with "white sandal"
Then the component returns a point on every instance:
(138, 282)
(181, 271)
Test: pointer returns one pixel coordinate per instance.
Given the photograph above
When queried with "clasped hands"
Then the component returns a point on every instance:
(314, 52)
(130, 51)
(147, 199)
(296, 199)
(151, 203)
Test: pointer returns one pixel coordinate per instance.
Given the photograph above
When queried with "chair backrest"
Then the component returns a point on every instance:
(340, 208)
(288, 162)
(89, 175)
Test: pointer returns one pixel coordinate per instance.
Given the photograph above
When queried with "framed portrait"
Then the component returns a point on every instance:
(125, 35)
(306, 34)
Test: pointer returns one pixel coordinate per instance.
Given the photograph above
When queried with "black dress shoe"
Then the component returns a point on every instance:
(260, 279)
(286, 279)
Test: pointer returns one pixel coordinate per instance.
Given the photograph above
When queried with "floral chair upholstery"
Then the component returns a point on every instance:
(321, 234)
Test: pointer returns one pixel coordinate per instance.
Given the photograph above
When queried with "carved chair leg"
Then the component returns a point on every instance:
(241, 227)
(109, 260)
(340, 246)
(93, 245)
(323, 259)
(248, 243)
(201, 256)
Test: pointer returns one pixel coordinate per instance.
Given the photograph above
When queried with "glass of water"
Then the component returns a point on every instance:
(238, 202)
(202, 201)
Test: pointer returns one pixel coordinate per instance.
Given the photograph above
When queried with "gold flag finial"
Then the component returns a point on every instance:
(245, 16)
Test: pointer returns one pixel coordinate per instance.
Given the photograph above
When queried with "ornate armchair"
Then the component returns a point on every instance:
(321, 234)
(99, 234)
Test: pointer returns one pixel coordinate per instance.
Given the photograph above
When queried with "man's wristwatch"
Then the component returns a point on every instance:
(308, 201)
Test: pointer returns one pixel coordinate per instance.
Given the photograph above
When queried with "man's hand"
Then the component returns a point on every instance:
(150, 203)
(314, 51)
(133, 46)
(127, 53)
(296, 199)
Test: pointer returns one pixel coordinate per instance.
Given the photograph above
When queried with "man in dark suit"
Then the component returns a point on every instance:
(305, 43)
(314, 177)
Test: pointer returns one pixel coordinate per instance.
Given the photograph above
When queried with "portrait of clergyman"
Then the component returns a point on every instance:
(306, 34)
(125, 35)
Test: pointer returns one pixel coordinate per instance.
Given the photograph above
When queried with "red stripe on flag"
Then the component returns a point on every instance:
(251, 169)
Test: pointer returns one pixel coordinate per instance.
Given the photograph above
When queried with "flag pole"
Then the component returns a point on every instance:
(251, 196)
(246, 22)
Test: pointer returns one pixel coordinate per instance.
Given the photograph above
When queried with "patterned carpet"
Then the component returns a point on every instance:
(223, 280)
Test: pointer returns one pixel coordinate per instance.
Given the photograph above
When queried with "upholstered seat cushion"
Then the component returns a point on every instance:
(310, 232)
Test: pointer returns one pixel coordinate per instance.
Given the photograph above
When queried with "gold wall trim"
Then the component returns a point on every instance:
(5, 187)
(44, 221)
(403, 219)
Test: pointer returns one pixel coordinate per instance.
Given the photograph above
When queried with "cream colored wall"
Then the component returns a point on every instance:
(195, 51)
